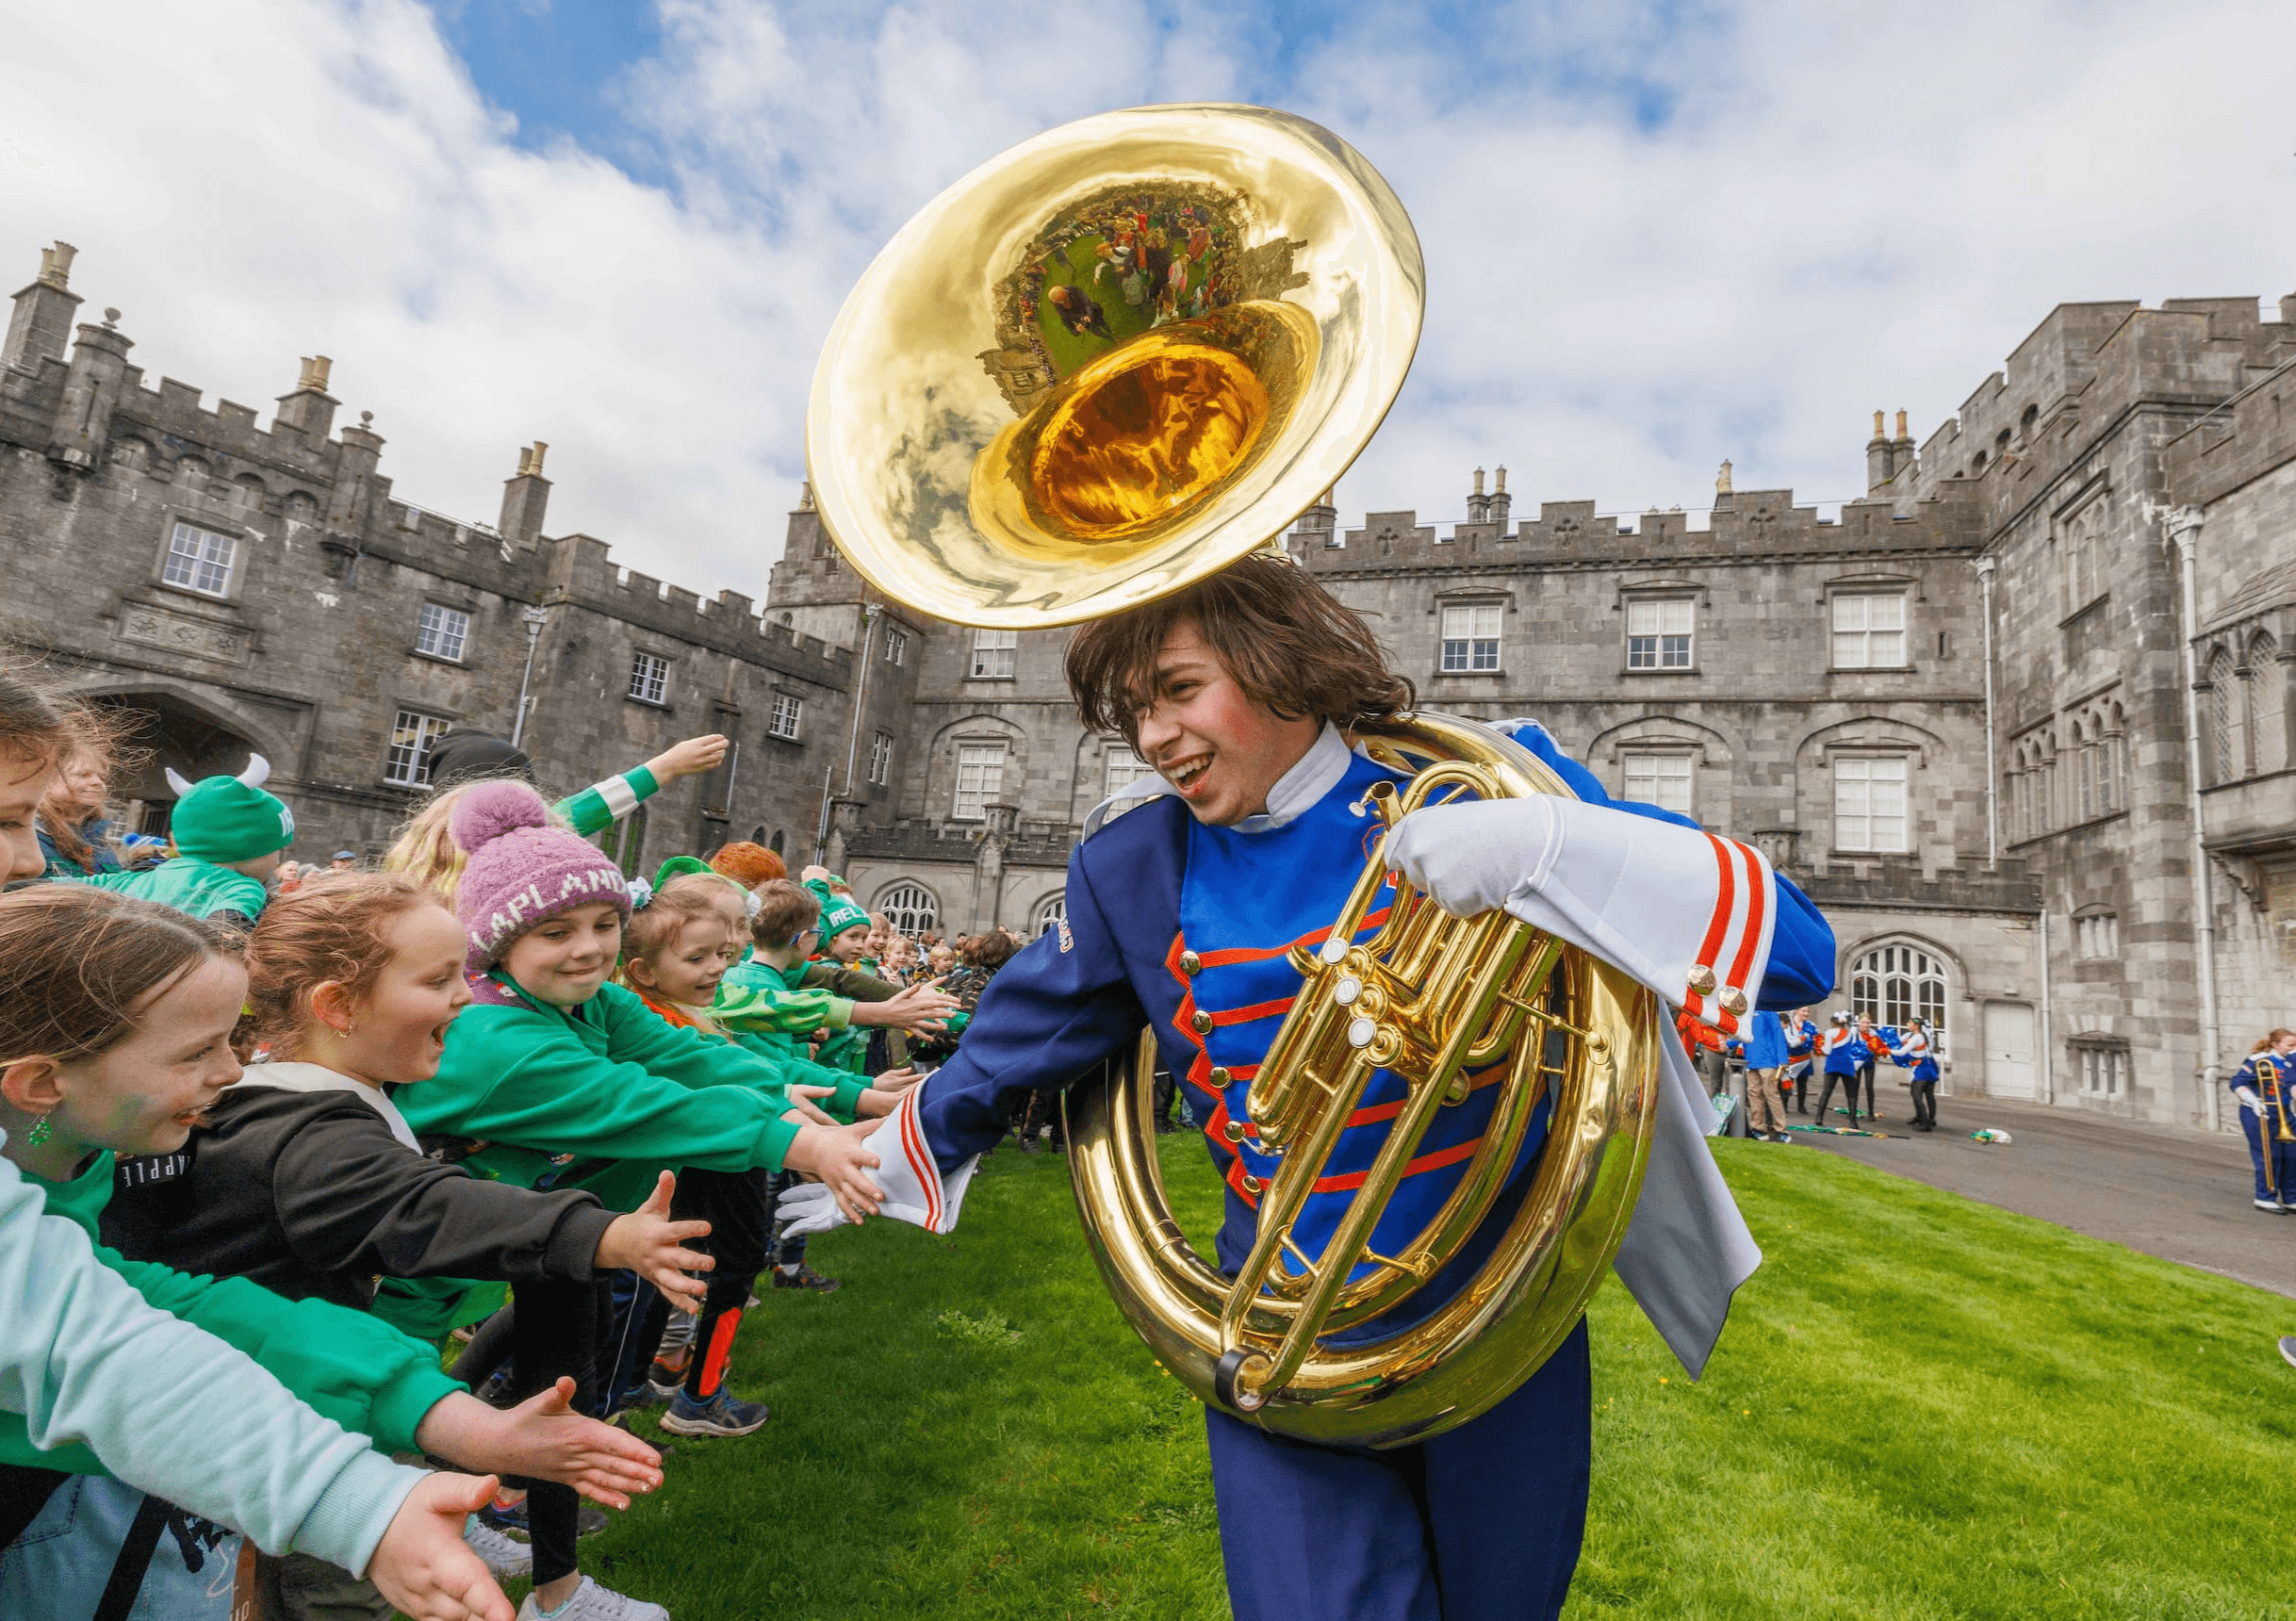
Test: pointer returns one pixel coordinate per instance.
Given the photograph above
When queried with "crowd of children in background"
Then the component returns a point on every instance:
(480, 1097)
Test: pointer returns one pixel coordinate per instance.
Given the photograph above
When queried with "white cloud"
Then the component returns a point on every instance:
(1847, 210)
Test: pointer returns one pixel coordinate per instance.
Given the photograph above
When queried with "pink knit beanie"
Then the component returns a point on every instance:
(521, 869)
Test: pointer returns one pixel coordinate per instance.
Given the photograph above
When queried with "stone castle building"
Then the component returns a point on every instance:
(2020, 719)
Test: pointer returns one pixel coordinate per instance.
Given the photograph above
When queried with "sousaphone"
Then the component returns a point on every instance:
(1109, 362)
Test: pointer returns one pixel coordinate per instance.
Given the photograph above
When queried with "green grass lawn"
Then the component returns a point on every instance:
(1922, 1407)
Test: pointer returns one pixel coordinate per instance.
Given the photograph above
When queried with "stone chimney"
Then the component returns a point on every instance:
(1722, 483)
(525, 497)
(310, 410)
(1502, 502)
(1876, 457)
(91, 388)
(1477, 504)
(1318, 526)
(42, 323)
(1901, 452)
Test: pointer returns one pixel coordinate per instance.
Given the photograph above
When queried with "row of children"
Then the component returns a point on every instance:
(495, 1063)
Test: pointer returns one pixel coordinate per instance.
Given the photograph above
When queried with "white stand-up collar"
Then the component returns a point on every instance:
(1314, 775)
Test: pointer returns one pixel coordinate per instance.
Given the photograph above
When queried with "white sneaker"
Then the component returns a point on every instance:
(504, 1556)
(592, 1602)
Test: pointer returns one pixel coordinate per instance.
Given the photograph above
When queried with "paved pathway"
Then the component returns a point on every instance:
(2179, 1194)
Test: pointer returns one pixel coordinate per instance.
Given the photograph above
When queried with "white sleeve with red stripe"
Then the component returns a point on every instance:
(915, 1191)
(1686, 912)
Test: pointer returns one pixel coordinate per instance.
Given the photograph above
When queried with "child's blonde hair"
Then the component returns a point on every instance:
(425, 853)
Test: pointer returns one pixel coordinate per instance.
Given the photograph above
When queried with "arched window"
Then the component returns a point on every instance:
(779, 841)
(2029, 420)
(2268, 693)
(1051, 911)
(2224, 719)
(1893, 983)
(909, 906)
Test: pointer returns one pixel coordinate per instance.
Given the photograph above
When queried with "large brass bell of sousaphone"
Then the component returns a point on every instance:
(1103, 365)
(1111, 361)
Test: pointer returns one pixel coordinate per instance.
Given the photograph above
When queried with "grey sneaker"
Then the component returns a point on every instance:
(721, 1415)
(592, 1602)
(504, 1558)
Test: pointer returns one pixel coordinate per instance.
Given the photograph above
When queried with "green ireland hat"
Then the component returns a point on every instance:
(226, 819)
(838, 913)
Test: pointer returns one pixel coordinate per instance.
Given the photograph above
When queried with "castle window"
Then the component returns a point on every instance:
(1660, 780)
(881, 758)
(200, 560)
(2102, 1064)
(1869, 803)
(1470, 637)
(1869, 631)
(788, 715)
(2097, 934)
(442, 632)
(980, 777)
(1659, 634)
(649, 679)
(1891, 985)
(910, 908)
(994, 654)
(1052, 911)
(407, 761)
(896, 647)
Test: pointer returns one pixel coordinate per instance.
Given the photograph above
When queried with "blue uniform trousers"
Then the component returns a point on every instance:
(1481, 1524)
(2284, 1159)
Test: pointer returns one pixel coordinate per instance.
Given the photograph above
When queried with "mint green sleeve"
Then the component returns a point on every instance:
(354, 1368)
(779, 1012)
(660, 1094)
(602, 804)
(93, 1377)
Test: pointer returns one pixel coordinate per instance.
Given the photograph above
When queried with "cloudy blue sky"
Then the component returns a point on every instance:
(1657, 234)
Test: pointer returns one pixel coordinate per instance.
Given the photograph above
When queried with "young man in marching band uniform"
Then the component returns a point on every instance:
(1179, 918)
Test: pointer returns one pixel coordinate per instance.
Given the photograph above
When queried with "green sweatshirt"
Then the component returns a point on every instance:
(362, 1373)
(189, 884)
(602, 804)
(603, 1096)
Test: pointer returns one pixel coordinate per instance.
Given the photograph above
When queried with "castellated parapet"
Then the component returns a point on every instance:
(311, 614)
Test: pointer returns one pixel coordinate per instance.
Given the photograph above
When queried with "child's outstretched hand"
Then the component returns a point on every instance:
(803, 1110)
(649, 1243)
(695, 754)
(544, 1436)
(922, 1010)
(424, 1565)
(896, 1081)
(841, 1160)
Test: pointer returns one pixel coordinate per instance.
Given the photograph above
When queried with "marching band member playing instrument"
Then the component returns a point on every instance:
(1918, 1052)
(2261, 1085)
(1239, 691)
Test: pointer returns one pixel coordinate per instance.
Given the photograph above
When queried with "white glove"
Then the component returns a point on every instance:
(2249, 1100)
(809, 1207)
(1470, 858)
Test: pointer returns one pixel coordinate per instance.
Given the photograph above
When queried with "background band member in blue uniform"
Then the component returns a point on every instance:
(2262, 1085)
(1918, 1052)
(1179, 918)
(1801, 1055)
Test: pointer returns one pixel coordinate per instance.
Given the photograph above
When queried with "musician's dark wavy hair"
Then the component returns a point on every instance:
(1290, 643)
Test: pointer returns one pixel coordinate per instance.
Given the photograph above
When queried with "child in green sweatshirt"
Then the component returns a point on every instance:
(118, 1022)
(228, 833)
(553, 1078)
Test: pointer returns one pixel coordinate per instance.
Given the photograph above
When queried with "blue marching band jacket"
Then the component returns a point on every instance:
(1185, 928)
(2266, 1078)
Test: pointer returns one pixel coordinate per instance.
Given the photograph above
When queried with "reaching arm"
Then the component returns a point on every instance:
(93, 1377)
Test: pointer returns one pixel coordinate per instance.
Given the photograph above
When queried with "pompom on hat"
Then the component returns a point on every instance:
(522, 870)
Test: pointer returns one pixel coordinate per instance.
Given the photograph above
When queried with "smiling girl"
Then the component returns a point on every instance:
(115, 1039)
(555, 1078)
(306, 1178)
